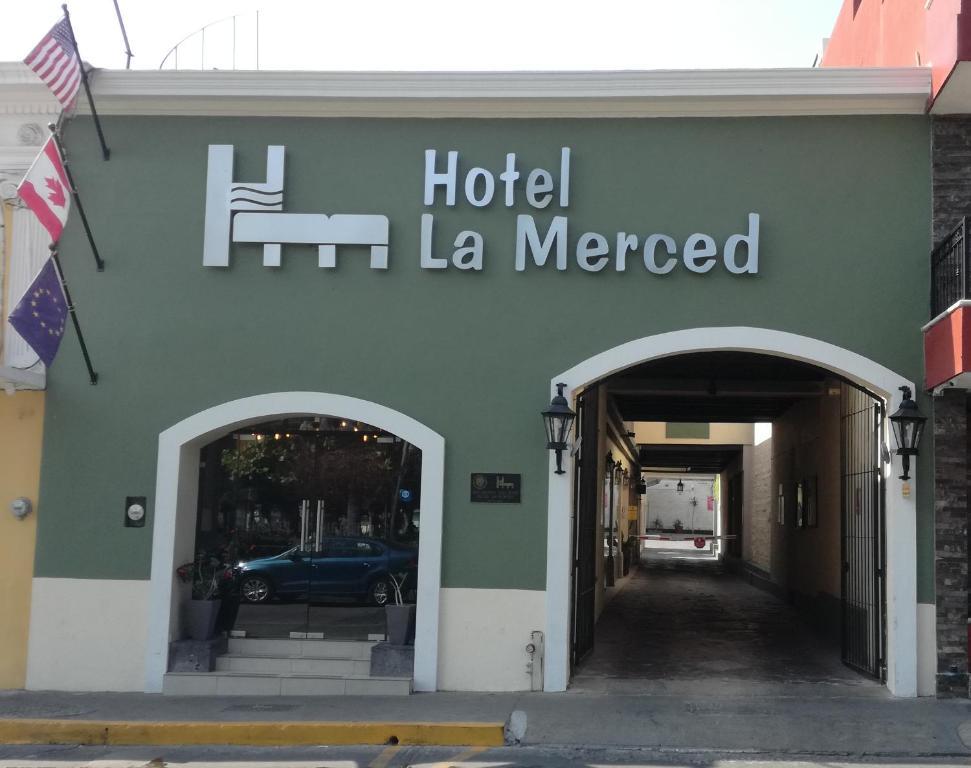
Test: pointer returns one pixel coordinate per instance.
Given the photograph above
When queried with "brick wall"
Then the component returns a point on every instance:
(951, 535)
(951, 159)
(762, 518)
(952, 173)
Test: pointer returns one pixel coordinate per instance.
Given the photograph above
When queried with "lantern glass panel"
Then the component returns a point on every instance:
(549, 422)
(907, 432)
(897, 429)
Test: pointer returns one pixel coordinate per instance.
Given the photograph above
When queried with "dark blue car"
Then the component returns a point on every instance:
(343, 567)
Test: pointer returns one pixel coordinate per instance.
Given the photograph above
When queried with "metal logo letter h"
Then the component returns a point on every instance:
(223, 197)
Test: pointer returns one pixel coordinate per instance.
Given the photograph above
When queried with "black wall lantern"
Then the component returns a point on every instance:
(680, 487)
(558, 419)
(908, 427)
(641, 487)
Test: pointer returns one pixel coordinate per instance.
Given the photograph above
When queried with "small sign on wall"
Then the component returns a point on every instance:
(496, 488)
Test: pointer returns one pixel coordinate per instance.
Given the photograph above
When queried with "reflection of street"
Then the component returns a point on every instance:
(336, 622)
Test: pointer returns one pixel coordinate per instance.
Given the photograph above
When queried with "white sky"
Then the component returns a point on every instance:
(439, 34)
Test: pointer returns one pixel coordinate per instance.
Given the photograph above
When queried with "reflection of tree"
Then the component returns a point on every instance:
(353, 477)
(259, 460)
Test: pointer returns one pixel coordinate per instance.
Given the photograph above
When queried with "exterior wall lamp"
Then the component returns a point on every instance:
(908, 427)
(558, 419)
(680, 487)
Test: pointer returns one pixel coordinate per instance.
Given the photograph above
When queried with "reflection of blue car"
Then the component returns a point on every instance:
(344, 567)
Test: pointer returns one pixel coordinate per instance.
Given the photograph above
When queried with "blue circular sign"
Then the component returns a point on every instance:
(405, 494)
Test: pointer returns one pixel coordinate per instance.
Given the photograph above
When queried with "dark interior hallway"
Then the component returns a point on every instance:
(682, 617)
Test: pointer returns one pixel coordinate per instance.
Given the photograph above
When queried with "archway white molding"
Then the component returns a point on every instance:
(901, 523)
(176, 493)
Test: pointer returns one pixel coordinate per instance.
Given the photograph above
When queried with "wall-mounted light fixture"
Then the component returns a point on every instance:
(680, 487)
(908, 427)
(558, 419)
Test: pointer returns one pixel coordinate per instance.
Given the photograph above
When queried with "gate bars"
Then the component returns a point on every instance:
(862, 547)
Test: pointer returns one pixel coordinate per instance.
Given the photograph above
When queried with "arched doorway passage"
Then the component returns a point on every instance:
(901, 595)
(176, 502)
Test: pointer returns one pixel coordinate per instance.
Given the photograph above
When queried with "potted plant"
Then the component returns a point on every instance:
(400, 616)
(205, 574)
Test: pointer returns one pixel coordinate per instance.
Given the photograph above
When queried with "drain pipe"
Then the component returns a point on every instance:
(535, 649)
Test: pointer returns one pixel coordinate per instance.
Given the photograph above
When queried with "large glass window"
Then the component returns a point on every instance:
(313, 520)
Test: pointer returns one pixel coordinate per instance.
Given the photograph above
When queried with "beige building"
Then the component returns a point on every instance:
(26, 107)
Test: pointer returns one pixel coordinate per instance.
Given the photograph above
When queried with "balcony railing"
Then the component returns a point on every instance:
(950, 273)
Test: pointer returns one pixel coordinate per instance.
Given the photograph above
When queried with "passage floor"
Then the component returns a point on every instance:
(681, 619)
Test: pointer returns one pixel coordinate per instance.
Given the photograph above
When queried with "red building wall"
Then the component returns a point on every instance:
(901, 33)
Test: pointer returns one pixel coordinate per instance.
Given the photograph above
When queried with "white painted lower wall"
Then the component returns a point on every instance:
(87, 635)
(483, 637)
(926, 649)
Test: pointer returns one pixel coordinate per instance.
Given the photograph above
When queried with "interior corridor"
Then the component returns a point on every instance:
(682, 618)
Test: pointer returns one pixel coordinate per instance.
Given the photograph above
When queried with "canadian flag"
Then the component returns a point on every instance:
(45, 190)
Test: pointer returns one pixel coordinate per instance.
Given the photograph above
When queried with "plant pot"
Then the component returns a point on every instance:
(401, 624)
(200, 618)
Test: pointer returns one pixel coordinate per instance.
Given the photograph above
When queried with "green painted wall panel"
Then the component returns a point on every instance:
(844, 205)
(678, 430)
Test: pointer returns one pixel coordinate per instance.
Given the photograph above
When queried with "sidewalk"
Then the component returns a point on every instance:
(679, 716)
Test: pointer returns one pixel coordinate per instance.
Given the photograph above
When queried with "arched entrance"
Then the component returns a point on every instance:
(901, 595)
(176, 497)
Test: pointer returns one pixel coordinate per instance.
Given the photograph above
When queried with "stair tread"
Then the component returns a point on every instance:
(288, 657)
(301, 640)
(226, 673)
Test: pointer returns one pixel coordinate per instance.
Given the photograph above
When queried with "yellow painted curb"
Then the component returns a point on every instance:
(255, 734)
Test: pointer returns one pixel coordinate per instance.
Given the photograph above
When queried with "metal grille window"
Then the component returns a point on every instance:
(950, 281)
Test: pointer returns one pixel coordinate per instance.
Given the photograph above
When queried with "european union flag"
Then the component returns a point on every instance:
(41, 315)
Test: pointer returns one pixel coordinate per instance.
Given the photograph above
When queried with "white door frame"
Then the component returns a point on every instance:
(176, 496)
(901, 521)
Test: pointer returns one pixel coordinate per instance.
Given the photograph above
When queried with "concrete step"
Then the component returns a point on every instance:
(248, 684)
(300, 665)
(290, 648)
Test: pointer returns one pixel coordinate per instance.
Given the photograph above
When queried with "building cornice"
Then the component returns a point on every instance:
(23, 93)
(674, 93)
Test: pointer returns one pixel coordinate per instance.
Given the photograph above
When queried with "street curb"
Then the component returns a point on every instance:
(250, 734)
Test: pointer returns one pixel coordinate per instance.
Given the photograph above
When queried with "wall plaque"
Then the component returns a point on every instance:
(496, 487)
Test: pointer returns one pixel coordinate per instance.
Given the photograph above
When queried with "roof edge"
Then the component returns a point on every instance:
(661, 93)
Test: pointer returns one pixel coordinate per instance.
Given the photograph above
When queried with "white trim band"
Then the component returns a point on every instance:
(663, 93)
(956, 305)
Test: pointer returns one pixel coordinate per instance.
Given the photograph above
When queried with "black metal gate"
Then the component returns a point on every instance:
(586, 489)
(862, 535)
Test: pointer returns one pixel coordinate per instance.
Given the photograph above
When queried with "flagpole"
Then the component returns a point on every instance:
(74, 316)
(76, 197)
(124, 35)
(87, 88)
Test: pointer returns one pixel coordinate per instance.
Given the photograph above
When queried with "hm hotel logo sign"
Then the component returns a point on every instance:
(252, 212)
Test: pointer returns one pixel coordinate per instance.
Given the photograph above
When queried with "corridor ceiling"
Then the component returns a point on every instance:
(710, 459)
(706, 387)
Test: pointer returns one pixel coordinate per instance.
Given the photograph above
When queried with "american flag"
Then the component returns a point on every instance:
(55, 61)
